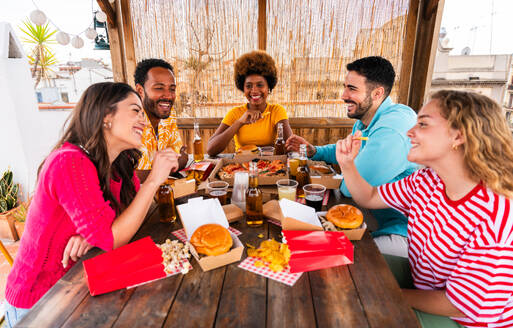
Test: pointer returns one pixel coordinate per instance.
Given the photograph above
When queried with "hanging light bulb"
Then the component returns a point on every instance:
(101, 17)
(62, 38)
(38, 17)
(77, 42)
(91, 33)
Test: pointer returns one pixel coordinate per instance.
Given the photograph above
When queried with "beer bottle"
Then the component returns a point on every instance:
(197, 144)
(166, 204)
(303, 174)
(254, 212)
(279, 145)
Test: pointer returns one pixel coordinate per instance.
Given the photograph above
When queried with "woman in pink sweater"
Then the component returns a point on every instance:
(87, 194)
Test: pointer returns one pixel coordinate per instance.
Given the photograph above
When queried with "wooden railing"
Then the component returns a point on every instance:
(317, 131)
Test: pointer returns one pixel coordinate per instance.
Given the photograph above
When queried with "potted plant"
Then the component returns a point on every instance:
(8, 206)
(19, 214)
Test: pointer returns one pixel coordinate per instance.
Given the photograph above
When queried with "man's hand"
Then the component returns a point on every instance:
(294, 141)
(347, 149)
(77, 247)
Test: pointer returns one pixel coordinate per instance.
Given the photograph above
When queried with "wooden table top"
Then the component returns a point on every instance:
(363, 294)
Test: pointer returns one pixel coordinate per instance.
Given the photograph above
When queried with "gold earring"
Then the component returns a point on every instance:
(107, 125)
(455, 147)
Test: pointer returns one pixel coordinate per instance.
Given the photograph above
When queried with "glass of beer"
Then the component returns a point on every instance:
(219, 190)
(166, 204)
(314, 194)
(287, 189)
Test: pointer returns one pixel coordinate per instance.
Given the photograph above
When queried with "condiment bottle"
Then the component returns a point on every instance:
(254, 212)
(279, 145)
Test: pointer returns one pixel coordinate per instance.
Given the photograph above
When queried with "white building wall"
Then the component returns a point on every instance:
(28, 134)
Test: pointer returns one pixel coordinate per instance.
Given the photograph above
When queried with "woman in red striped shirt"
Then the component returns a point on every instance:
(460, 226)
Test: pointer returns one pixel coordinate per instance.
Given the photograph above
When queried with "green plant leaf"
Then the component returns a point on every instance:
(3, 206)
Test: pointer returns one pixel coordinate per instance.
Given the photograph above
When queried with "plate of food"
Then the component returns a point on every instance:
(266, 168)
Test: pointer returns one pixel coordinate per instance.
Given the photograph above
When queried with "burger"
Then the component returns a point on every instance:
(211, 239)
(345, 216)
(248, 149)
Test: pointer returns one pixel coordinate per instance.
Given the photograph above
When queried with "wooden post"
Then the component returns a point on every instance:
(115, 41)
(262, 24)
(408, 51)
(128, 41)
(429, 19)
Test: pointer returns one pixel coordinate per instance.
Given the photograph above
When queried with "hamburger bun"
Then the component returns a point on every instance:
(345, 216)
(211, 239)
(247, 149)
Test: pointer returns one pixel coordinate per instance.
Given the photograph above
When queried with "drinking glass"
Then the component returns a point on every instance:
(287, 189)
(314, 194)
(219, 190)
(266, 151)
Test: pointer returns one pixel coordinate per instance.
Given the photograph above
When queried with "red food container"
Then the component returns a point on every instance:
(315, 250)
(132, 264)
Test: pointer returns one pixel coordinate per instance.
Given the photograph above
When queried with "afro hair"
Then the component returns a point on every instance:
(255, 62)
(141, 71)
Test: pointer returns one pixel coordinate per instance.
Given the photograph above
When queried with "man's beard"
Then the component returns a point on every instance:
(150, 106)
(361, 109)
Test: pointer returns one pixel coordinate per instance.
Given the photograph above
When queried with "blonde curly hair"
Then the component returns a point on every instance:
(488, 145)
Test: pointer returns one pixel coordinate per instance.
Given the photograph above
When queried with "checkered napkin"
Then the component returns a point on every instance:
(302, 200)
(183, 264)
(180, 233)
(284, 276)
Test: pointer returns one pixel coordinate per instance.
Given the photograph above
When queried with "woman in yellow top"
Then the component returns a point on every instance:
(255, 122)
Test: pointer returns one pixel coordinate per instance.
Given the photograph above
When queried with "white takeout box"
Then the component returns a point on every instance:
(297, 216)
(197, 212)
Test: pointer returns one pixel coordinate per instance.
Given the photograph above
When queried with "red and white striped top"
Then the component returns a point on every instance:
(464, 246)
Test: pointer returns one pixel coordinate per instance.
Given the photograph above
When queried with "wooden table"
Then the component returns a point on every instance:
(364, 294)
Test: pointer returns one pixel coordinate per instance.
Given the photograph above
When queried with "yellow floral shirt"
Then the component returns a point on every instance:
(168, 137)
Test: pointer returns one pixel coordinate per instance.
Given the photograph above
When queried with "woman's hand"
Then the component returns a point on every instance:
(347, 149)
(77, 247)
(164, 162)
(250, 117)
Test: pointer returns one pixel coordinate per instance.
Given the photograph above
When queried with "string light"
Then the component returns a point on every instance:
(39, 18)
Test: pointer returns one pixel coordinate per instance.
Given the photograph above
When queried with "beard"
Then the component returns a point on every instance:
(361, 108)
(151, 106)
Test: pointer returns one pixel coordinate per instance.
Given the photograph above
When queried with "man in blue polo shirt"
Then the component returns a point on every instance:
(382, 158)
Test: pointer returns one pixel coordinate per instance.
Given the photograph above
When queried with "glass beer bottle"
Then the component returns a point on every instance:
(197, 144)
(279, 145)
(166, 204)
(254, 212)
(302, 174)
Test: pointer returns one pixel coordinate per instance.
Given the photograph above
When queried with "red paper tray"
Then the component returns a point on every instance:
(132, 264)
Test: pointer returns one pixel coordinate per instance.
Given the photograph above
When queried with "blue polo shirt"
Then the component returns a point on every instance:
(382, 158)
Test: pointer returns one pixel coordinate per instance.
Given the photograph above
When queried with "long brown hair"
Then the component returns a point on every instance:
(488, 146)
(85, 129)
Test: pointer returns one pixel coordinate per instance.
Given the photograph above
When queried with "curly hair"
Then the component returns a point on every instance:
(377, 70)
(488, 146)
(255, 62)
(141, 71)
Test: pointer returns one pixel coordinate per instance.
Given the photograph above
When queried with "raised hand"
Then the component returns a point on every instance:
(250, 117)
(164, 161)
(77, 247)
(347, 149)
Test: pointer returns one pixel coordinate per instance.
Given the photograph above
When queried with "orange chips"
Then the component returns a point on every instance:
(272, 253)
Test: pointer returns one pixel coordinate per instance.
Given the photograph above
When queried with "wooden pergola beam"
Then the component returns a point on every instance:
(422, 27)
(262, 24)
(109, 11)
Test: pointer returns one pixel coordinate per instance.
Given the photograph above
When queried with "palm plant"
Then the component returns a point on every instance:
(41, 57)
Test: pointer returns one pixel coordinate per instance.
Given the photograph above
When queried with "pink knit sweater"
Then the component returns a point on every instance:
(67, 201)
